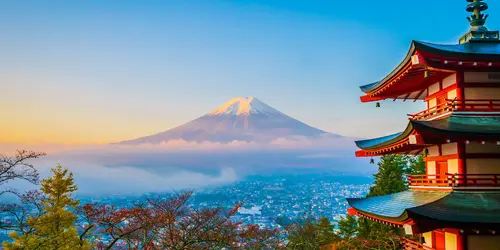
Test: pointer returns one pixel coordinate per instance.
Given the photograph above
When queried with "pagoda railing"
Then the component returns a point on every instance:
(455, 180)
(413, 245)
(468, 105)
(476, 105)
(430, 112)
(429, 180)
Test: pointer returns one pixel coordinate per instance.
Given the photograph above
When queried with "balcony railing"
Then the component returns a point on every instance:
(429, 180)
(469, 105)
(436, 110)
(413, 245)
(455, 180)
(477, 105)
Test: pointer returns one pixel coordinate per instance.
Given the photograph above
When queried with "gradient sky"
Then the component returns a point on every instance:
(101, 71)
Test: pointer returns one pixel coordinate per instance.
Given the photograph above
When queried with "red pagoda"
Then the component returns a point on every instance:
(456, 204)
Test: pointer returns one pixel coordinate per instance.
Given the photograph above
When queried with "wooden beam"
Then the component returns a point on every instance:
(406, 96)
(419, 94)
(440, 92)
(482, 156)
(481, 84)
(419, 151)
(441, 157)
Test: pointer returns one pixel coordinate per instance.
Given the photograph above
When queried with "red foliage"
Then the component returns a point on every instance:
(171, 224)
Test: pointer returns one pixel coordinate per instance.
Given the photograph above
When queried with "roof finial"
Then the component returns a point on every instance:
(478, 32)
(477, 19)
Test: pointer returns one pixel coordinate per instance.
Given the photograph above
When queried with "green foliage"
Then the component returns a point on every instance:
(417, 165)
(54, 228)
(348, 227)
(360, 233)
(324, 232)
(392, 170)
(311, 235)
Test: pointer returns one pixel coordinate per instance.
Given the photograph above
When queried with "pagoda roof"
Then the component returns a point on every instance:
(394, 207)
(445, 207)
(408, 76)
(454, 127)
(465, 126)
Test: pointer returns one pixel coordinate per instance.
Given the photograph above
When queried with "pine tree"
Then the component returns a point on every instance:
(54, 228)
(417, 165)
(325, 234)
(391, 176)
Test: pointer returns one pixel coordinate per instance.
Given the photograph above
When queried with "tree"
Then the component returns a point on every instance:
(417, 165)
(54, 228)
(18, 167)
(311, 234)
(391, 178)
(325, 234)
(171, 224)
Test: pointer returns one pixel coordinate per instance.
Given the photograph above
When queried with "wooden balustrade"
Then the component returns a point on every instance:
(455, 180)
(413, 245)
(476, 180)
(429, 180)
(476, 105)
(468, 105)
(438, 109)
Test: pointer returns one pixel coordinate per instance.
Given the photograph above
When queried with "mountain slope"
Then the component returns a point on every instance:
(241, 119)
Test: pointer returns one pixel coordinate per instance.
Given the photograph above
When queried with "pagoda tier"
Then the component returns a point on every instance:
(424, 211)
(419, 135)
(427, 63)
(455, 205)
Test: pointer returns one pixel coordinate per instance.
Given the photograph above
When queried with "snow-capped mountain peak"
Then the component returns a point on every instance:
(244, 106)
(241, 119)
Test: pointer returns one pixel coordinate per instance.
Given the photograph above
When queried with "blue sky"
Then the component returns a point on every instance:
(101, 71)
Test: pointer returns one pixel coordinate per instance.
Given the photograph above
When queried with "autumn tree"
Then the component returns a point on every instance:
(54, 227)
(171, 224)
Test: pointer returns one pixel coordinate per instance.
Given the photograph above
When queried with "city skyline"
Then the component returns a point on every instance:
(94, 72)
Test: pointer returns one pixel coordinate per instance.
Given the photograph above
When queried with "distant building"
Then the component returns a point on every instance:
(456, 204)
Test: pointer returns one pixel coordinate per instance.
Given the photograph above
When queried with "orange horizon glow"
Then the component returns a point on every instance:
(71, 133)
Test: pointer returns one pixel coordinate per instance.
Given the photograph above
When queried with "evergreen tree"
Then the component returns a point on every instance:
(348, 227)
(417, 165)
(54, 228)
(325, 234)
(311, 235)
(391, 176)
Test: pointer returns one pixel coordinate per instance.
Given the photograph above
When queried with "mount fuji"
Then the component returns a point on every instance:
(244, 119)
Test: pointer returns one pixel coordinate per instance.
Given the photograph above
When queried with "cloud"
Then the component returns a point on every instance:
(290, 142)
(92, 178)
(178, 164)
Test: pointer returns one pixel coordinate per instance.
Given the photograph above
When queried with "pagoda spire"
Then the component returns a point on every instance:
(478, 32)
(477, 19)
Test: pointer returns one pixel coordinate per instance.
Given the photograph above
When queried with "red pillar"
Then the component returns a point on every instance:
(461, 241)
(460, 89)
(462, 163)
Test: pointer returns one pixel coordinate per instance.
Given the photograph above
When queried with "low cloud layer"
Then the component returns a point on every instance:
(121, 169)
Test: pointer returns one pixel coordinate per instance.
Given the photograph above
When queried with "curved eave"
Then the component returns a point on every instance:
(454, 127)
(462, 207)
(469, 51)
(392, 143)
(461, 127)
(394, 207)
(373, 86)
(430, 210)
